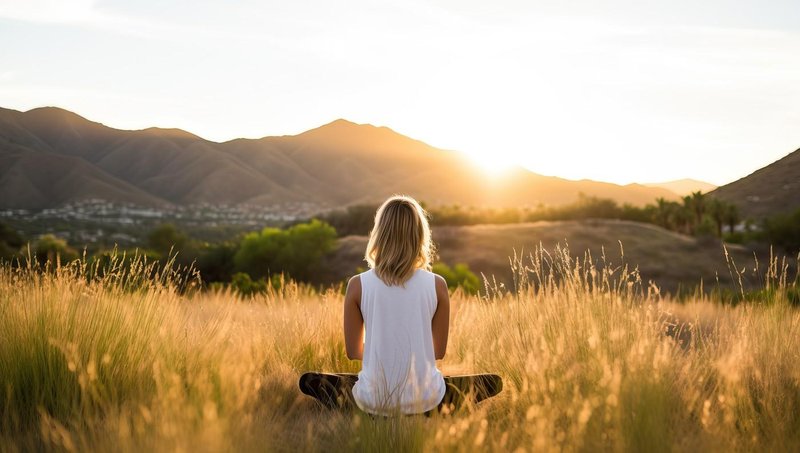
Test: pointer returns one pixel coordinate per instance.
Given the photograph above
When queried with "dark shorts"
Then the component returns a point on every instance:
(335, 390)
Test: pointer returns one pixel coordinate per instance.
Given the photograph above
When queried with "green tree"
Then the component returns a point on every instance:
(103, 262)
(295, 251)
(731, 216)
(681, 218)
(49, 248)
(259, 252)
(458, 276)
(716, 211)
(215, 262)
(637, 214)
(696, 205)
(593, 207)
(245, 285)
(707, 227)
(10, 242)
(670, 215)
(355, 219)
(662, 215)
(783, 230)
(166, 237)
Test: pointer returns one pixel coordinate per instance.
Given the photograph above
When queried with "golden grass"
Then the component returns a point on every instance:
(591, 361)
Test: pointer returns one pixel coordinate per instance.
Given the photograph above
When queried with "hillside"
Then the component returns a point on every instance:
(770, 190)
(669, 259)
(50, 156)
(684, 186)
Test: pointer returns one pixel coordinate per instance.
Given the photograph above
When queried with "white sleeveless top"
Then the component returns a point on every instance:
(398, 371)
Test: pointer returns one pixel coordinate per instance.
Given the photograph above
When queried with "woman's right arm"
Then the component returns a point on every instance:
(353, 320)
(440, 325)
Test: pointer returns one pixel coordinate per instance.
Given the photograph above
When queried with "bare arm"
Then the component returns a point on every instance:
(353, 321)
(440, 324)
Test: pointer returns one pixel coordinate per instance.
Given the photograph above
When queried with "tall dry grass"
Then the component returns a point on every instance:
(135, 359)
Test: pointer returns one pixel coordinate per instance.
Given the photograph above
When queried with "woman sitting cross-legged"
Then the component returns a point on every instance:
(396, 320)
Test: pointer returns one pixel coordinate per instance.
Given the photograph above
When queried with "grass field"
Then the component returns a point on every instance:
(592, 360)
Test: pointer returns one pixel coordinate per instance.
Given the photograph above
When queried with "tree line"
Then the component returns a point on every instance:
(694, 214)
(294, 251)
(250, 263)
(253, 261)
(697, 214)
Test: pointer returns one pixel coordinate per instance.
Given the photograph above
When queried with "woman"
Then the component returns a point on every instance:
(396, 320)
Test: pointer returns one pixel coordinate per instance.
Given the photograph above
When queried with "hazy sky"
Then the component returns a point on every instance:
(621, 91)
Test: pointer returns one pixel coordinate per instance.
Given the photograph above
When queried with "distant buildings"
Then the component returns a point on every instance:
(96, 221)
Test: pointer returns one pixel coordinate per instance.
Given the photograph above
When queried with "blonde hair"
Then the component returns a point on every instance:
(400, 240)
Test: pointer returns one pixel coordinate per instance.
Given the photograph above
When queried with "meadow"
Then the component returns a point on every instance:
(132, 358)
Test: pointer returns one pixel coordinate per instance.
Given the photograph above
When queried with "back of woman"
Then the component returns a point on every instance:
(399, 369)
(396, 321)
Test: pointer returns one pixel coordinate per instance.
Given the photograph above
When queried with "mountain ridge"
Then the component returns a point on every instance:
(335, 164)
(684, 186)
(773, 189)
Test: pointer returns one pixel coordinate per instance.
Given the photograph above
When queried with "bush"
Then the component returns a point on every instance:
(737, 237)
(296, 251)
(165, 238)
(706, 227)
(216, 262)
(355, 219)
(49, 248)
(112, 261)
(783, 230)
(793, 296)
(458, 276)
(245, 285)
(10, 242)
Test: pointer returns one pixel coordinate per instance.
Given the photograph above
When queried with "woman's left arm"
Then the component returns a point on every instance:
(440, 324)
(353, 320)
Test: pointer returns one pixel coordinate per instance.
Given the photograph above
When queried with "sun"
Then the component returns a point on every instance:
(493, 166)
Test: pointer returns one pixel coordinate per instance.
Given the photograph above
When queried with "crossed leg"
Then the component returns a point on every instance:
(335, 390)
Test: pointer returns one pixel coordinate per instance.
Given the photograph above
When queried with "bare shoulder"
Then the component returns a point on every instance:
(354, 287)
(441, 283)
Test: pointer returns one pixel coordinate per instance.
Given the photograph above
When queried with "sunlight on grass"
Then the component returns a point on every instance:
(133, 358)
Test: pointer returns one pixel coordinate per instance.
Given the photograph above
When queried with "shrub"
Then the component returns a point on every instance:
(10, 242)
(459, 276)
(49, 248)
(355, 219)
(783, 230)
(245, 285)
(166, 237)
(215, 262)
(296, 251)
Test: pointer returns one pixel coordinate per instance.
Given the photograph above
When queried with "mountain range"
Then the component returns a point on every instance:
(50, 157)
(684, 186)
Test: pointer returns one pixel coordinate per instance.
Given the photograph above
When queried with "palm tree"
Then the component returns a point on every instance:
(731, 216)
(695, 205)
(716, 209)
(681, 218)
(662, 214)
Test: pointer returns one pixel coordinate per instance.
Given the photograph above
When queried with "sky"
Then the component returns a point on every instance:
(618, 90)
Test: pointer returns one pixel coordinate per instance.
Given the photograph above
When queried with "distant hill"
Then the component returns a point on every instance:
(669, 259)
(50, 156)
(770, 190)
(684, 186)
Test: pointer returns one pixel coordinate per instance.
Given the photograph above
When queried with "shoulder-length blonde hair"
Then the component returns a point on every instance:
(400, 240)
